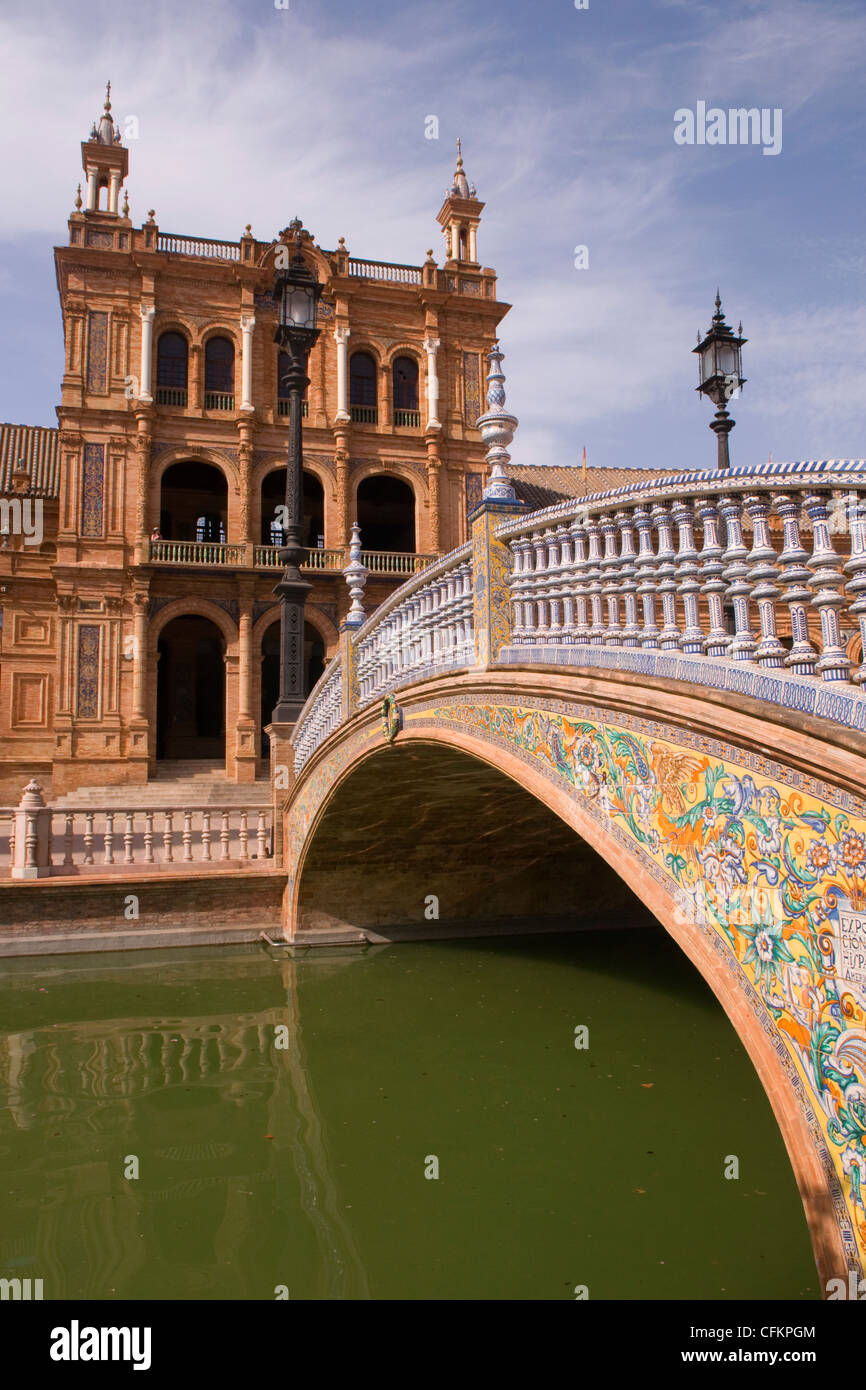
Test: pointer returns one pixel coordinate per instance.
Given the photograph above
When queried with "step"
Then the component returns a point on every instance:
(163, 794)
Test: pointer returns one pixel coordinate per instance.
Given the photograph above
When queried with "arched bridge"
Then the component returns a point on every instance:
(651, 700)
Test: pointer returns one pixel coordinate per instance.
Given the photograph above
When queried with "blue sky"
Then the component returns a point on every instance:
(252, 114)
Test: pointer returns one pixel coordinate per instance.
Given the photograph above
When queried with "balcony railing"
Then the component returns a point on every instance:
(267, 557)
(284, 406)
(218, 400)
(407, 417)
(171, 395)
(198, 246)
(364, 414)
(216, 554)
(395, 561)
(210, 553)
(385, 270)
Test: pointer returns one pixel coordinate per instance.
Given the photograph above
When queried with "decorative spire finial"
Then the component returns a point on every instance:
(108, 96)
(459, 154)
(497, 428)
(78, 199)
(125, 208)
(355, 575)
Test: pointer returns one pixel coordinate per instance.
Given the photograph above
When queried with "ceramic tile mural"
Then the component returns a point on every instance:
(473, 491)
(87, 703)
(471, 387)
(776, 875)
(97, 352)
(92, 489)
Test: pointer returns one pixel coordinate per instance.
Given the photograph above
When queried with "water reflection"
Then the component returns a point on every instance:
(222, 1122)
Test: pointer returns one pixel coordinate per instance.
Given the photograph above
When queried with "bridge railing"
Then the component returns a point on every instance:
(321, 714)
(427, 627)
(752, 582)
(703, 565)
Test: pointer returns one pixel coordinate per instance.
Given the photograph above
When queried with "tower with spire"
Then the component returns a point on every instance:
(105, 162)
(459, 217)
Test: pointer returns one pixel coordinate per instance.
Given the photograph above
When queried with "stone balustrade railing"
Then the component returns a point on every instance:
(201, 246)
(385, 270)
(321, 714)
(429, 628)
(703, 566)
(753, 582)
(42, 840)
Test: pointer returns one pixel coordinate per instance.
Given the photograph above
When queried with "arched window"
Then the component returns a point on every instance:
(362, 388)
(172, 355)
(210, 527)
(405, 379)
(219, 374)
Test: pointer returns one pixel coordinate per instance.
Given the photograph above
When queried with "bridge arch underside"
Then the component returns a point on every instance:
(426, 840)
(754, 868)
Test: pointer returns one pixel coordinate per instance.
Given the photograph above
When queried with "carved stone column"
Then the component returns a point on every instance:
(434, 465)
(245, 748)
(342, 521)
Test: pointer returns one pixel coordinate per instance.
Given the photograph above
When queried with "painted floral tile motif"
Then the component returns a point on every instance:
(777, 875)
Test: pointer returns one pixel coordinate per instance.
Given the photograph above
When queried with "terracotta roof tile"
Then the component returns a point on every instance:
(542, 487)
(39, 449)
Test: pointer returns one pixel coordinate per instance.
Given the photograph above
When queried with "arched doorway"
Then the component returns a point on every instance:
(190, 690)
(273, 496)
(314, 665)
(193, 502)
(386, 514)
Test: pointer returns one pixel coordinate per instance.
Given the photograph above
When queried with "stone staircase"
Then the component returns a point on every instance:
(176, 784)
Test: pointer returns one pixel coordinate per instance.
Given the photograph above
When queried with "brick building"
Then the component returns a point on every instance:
(139, 620)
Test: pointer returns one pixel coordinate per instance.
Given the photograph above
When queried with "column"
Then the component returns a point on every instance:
(247, 326)
(827, 580)
(431, 347)
(245, 667)
(92, 187)
(139, 656)
(341, 338)
(147, 316)
(245, 747)
(473, 255)
(113, 190)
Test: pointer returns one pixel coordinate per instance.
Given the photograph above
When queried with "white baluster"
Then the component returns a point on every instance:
(736, 573)
(692, 639)
(827, 580)
(763, 574)
(717, 640)
(646, 569)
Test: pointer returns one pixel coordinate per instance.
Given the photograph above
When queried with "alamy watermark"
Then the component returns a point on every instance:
(737, 126)
(21, 517)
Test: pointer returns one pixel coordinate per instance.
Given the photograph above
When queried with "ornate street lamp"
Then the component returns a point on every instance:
(720, 359)
(297, 292)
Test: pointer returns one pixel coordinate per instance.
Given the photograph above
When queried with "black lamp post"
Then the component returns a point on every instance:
(720, 358)
(297, 292)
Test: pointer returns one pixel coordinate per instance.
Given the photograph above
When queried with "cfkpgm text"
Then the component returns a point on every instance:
(720, 1333)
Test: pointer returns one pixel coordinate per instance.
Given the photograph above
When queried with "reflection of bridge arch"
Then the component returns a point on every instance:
(614, 778)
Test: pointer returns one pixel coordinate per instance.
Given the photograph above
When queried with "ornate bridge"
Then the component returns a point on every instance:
(651, 700)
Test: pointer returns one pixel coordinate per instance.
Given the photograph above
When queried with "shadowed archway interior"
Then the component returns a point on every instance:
(417, 822)
(191, 690)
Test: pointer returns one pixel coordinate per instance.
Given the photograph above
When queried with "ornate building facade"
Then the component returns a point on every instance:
(139, 621)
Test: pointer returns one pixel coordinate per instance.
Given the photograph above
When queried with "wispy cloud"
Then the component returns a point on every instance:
(250, 114)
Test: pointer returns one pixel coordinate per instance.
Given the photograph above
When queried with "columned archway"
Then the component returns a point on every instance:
(190, 690)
